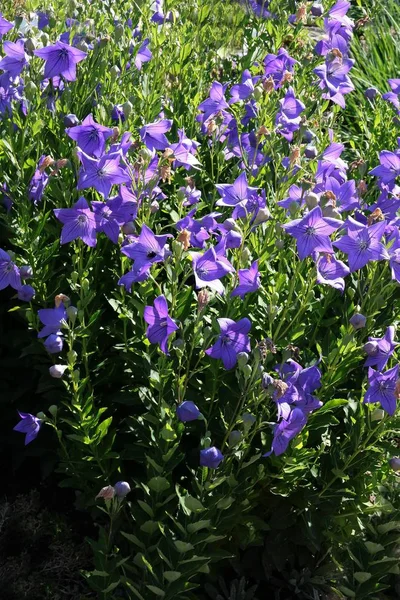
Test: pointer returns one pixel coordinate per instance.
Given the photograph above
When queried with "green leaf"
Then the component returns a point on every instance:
(172, 576)
(99, 574)
(362, 576)
(156, 590)
(111, 587)
(373, 548)
(386, 527)
(158, 484)
(134, 540)
(147, 509)
(193, 527)
(346, 591)
(149, 527)
(183, 546)
(193, 504)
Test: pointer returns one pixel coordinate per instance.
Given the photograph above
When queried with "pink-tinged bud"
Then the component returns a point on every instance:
(154, 207)
(26, 271)
(106, 492)
(203, 298)
(57, 371)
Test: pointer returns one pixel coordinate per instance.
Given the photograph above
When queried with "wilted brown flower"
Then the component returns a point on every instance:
(48, 160)
(203, 298)
(184, 238)
(269, 85)
(280, 387)
(106, 492)
(375, 216)
(165, 173)
(61, 298)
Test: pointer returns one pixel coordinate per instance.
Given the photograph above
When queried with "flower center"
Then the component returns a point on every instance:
(225, 339)
(151, 254)
(363, 245)
(202, 272)
(9, 267)
(82, 219)
(310, 230)
(101, 172)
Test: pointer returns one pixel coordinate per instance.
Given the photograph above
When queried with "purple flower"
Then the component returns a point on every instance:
(135, 275)
(382, 389)
(143, 55)
(153, 134)
(286, 430)
(187, 411)
(52, 319)
(362, 243)
(288, 117)
(54, 344)
(211, 457)
(39, 181)
(161, 326)
(232, 340)
(79, 222)
(235, 193)
(249, 281)
(15, 59)
(277, 65)
(29, 425)
(243, 90)
(61, 59)
(209, 268)
(26, 293)
(90, 136)
(216, 101)
(379, 350)
(9, 272)
(110, 216)
(5, 25)
(147, 249)
(312, 232)
(389, 169)
(334, 79)
(101, 174)
(331, 271)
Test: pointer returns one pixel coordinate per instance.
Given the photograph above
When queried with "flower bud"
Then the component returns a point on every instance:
(115, 72)
(258, 92)
(371, 93)
(30, 90)
(245, 255)
(230, 224)
(72, 311)
(54, 343)
(154, 207)
(118, 32)
(377, 414)
(187, 411)
(26, 293)
(242, 358)
(82, 45)
(71, 120)
(41, 415)
(127, 107)
(310, 151)
(317, 9)
(53, 410)
(44, 38)
(57, 371)
(312, 200)
(106, 492)
(308, 136)
(247, 371)
(72, 356)
(371, 348)
(248, 421)
(128, 228)
(262, 215)
(395, 463)
(358, 321)
(280, 244)
(30, 45)
(266, 381)
(211, 457)
(234, 438)
(121, 489)
(145, 153)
